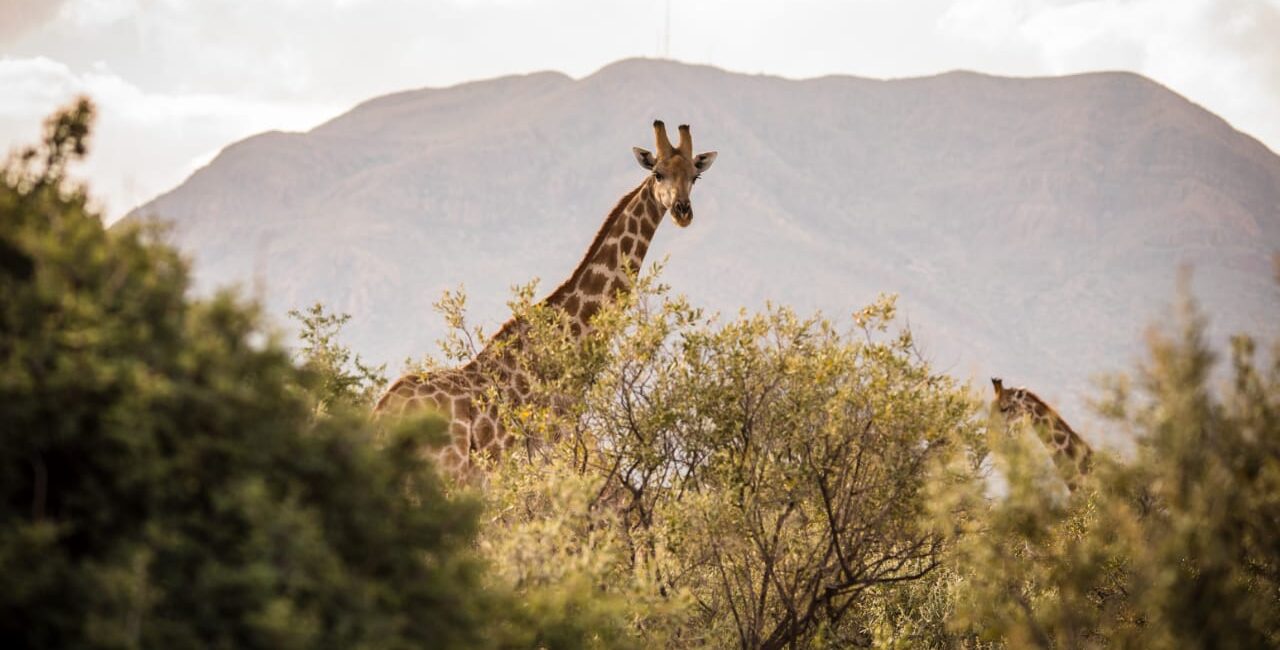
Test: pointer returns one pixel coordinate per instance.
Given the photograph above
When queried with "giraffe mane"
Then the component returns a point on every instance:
(1048, 409)
(566, 287)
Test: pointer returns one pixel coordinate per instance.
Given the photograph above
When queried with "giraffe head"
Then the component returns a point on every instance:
(675, 169)
(1005, 398)
(1018, 402)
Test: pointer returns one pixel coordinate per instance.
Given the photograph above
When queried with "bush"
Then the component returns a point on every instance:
(1175, 547)
(170, 478)
(340, 379)
(751, 483)
(163, 479)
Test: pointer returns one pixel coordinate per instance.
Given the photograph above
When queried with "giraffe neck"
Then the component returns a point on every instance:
(618, 247)
(617, 250)
(1070, 453)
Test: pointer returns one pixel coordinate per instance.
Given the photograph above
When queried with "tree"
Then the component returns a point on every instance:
(761, 478)
(1175, 547)
(163, 481)
(340, 378)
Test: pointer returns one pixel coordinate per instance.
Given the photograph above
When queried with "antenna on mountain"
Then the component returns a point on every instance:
(666, 33)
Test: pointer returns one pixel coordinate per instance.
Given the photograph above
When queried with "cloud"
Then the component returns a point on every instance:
(1222, 54)
(145, 142)
(21, 16)
(178, 79)
(1247, 32)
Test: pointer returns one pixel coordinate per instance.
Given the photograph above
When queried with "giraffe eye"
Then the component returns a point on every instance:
(657, 176)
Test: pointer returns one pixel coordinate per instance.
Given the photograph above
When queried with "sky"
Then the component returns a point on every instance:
(177, 80)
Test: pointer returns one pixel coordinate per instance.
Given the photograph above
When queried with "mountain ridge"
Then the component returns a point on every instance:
(1013, 215)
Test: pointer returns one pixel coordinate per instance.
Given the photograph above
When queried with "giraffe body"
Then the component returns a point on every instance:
(605, 272)
(1071, 454)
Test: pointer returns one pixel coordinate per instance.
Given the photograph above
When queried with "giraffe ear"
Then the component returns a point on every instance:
(997, 384)
(645, 158)
(702, 162)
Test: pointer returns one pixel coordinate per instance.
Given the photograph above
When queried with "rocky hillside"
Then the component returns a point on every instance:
(1033, 227)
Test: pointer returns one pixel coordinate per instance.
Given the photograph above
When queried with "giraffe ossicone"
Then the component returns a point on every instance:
(1071, 454)
(617, 251)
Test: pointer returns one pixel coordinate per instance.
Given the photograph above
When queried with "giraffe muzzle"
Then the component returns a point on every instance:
(682, 212)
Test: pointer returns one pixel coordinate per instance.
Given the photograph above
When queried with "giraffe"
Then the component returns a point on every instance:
(604, 273)
(1071, 454)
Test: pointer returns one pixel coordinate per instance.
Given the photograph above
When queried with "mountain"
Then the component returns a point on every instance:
(1033, 227)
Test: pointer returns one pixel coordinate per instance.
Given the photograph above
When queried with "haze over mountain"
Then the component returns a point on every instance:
(1032, 227)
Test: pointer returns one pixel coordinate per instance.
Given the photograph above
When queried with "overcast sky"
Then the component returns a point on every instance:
(176, 80)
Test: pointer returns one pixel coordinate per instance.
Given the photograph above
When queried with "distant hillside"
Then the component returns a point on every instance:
(1033, 227)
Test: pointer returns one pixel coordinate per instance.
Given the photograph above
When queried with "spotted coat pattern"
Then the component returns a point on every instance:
(1071, 454)
(474, 427)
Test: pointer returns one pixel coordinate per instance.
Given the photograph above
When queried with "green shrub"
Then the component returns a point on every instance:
(752, 483)
(1177, 546)
(163, 479)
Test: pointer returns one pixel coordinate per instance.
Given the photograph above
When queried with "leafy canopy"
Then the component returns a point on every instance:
(164, 481)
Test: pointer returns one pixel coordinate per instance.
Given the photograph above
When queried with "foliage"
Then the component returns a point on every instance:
(1176, 547)
(761, 481)
(748, 484)
(163, 481)
(562, 553)
(340, 378)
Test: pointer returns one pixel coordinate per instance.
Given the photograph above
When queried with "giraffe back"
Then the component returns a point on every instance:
(457, 394)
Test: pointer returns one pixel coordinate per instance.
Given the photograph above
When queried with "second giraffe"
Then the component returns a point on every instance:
(1071, 454)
